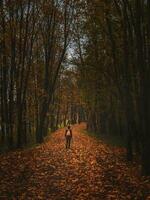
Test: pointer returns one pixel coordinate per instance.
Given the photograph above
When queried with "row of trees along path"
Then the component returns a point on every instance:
(79, 61)
(89, 170)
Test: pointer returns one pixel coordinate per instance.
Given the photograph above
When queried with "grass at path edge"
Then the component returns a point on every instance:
(113, 140)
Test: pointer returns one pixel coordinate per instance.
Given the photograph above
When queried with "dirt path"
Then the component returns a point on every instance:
(90, 170)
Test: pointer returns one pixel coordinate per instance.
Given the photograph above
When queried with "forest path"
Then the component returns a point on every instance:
(90, 170)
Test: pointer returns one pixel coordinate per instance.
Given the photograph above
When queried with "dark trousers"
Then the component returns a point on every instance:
(68, 141)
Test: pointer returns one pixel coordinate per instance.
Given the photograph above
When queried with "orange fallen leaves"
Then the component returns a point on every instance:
(90, 170)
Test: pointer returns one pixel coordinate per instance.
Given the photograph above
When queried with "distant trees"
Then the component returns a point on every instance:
(113, 50)
(70, 105)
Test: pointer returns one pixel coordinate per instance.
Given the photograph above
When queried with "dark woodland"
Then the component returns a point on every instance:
(83, 64)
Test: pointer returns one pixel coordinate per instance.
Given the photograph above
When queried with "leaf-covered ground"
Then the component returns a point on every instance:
(90, 170)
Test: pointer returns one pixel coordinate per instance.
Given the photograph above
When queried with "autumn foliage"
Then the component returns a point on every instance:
(89, 170)
(72, 62)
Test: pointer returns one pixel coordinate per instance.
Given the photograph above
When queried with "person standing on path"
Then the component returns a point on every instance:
(68, 136)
